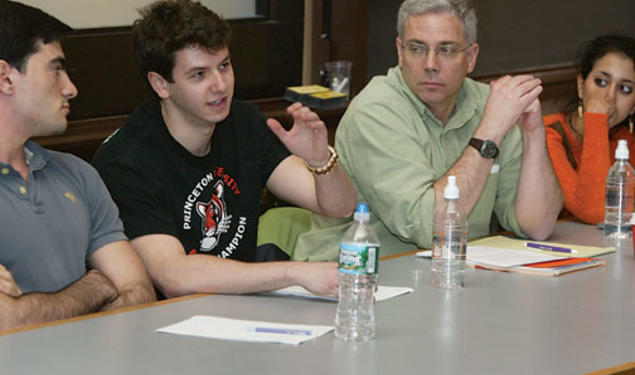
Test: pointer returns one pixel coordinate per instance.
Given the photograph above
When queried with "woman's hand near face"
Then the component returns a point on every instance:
(604, 102)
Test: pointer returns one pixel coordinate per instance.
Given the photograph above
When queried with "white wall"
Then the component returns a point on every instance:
(81, 14)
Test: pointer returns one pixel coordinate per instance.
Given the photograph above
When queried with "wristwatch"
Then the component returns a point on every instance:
(487, 149)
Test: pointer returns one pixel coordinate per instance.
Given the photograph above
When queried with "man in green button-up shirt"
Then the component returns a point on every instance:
(407, 131)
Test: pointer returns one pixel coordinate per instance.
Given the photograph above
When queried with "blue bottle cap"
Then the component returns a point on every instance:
(361, 208)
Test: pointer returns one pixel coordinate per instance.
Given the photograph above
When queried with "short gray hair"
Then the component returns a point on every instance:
(462, 9)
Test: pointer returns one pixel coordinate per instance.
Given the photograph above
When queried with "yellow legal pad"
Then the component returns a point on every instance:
(518, 244)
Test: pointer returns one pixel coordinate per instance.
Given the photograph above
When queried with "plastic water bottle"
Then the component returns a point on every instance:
(449, 241)
(359, 252)
(620, 194)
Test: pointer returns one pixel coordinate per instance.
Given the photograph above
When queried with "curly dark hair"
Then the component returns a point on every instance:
(168, 26)
(22, 28)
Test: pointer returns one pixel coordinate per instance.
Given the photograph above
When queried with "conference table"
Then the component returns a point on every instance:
(501, 323)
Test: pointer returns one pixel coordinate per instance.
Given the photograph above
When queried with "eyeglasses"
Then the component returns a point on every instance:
(444, 52)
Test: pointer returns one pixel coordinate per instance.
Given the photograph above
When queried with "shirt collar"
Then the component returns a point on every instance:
(464, 109)
(36, 157)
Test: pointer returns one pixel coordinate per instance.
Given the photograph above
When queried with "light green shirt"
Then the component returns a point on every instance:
(394, 149)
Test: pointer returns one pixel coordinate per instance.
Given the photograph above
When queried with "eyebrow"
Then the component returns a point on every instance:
(621, 80)
(197, 68)
(442, 43)
(226, 59)
(58, 61)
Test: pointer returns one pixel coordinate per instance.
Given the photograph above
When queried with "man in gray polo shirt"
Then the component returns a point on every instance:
(57, 216)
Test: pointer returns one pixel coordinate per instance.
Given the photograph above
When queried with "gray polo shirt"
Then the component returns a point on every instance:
(51, 225)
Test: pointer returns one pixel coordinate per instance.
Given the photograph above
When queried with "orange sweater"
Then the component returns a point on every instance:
(583, 185)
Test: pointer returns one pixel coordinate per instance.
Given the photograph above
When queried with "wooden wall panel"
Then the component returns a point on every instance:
(513, 35)
(84, 136)
(266, 54)
(101, 64)
(267, 57)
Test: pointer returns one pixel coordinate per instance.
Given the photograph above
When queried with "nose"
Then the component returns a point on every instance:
(218, 82)
(430, 62)
(69, 91)
(611, 94)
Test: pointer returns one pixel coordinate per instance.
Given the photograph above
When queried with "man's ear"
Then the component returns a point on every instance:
(159, 84)
(399, 50)
(472, 55)
(7, 84)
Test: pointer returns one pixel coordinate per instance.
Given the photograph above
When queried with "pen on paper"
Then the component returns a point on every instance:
(540, 246)
(284, 331)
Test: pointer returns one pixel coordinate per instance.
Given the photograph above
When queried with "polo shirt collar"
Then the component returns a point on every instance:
(36, 156)
(464, 110)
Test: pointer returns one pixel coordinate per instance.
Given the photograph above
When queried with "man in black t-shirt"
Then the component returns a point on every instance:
(187, 169)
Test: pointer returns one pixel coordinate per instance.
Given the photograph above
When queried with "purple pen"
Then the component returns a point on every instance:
(541, 246)
(286, 331)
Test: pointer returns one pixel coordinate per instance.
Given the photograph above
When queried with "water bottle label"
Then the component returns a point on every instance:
(360, 259)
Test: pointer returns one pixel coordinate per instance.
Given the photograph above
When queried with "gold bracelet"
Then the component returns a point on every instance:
(326, 168)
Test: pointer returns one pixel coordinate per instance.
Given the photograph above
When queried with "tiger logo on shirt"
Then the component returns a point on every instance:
(215, 220)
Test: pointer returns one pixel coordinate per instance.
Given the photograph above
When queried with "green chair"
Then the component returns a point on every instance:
(282, 226)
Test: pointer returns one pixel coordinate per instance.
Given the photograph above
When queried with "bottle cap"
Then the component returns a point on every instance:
(451, 191)
(621, 152)
(361, 212)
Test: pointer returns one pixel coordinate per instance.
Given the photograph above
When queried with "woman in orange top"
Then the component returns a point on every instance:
(582, 142)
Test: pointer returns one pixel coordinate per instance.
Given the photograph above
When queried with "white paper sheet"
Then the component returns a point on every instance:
(383, 293)
(245, 330)
(498, 257)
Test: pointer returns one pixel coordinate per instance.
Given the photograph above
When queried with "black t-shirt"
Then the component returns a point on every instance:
(210, 203)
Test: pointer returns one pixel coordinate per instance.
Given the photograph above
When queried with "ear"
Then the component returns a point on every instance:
(7, 84)
(580, 86)
(472, 54)
(399, 50)
(159, 84)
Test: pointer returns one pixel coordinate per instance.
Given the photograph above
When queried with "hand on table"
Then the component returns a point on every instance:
(318, 277)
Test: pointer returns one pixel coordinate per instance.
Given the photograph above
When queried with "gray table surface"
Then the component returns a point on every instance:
(502, 323)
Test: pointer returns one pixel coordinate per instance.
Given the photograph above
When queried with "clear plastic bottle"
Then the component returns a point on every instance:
(620, 194)
(449, 241)
(359, 254)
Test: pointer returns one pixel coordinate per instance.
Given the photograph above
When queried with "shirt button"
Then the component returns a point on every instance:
(4, 171)
(22, 190)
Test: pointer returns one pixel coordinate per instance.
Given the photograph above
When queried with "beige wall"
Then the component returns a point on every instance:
(81, 14)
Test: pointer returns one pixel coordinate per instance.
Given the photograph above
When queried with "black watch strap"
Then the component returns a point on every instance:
(486, 148)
